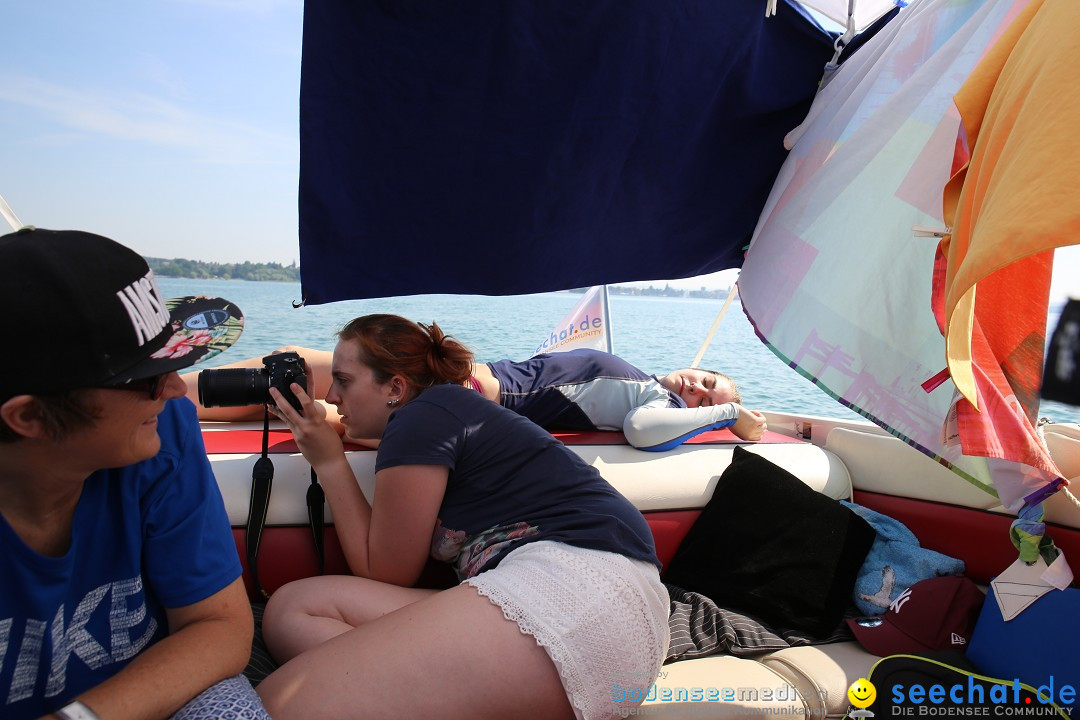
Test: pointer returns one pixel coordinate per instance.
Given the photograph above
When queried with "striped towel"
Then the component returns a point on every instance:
(699, 628)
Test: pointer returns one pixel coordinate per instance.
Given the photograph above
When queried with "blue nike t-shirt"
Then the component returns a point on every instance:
(510, 483)
(146, 537)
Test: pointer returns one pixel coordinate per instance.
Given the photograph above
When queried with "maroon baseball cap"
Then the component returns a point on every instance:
(934, 614)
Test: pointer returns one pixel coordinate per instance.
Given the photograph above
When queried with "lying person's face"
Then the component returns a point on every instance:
(699, 388)
(359, 399)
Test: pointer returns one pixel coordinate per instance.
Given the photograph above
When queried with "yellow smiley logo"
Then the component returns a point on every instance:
(862, 693)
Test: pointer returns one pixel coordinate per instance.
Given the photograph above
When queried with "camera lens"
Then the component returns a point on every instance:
(233, 387)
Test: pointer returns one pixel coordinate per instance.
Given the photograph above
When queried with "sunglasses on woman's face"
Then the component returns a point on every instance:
(154, 386)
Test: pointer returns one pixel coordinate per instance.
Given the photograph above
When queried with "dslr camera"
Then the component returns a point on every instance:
(251, 386)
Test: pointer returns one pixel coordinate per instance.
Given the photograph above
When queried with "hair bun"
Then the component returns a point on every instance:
(437, 337)
(423, 354)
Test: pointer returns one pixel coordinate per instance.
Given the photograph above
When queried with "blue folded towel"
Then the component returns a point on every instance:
(895, 562)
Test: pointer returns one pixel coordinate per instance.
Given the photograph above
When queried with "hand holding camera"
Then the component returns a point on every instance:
(230, 387)
(316, 438)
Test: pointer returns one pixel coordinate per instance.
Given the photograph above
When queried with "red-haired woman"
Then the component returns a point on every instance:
(560, 612)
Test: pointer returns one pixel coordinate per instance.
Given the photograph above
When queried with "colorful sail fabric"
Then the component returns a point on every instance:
(1014, 199)
(1010, 203)
(836, 282)
(514, 146)
(588, 325)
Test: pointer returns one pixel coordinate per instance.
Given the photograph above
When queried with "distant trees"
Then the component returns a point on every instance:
(666, 291)
(181, 268)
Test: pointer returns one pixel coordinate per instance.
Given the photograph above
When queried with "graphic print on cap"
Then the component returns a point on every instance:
(202, 325)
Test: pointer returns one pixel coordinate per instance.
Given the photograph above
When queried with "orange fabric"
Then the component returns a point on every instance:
(1009, 205)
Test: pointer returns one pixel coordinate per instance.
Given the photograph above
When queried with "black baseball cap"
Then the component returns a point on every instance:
(84, 311)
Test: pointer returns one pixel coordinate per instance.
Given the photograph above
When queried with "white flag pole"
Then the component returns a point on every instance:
(716, 324)
(9, 215)
(607, 320)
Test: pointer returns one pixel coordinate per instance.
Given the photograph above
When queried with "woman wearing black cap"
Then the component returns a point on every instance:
(121, 594)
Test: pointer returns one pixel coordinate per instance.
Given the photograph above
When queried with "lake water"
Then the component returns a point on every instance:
(656, 334)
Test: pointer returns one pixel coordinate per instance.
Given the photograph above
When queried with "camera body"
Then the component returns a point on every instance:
(232, 387)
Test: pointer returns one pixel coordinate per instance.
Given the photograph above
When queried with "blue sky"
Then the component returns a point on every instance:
(171, 126)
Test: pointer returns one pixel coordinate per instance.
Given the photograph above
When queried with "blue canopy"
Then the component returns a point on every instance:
(512, 146)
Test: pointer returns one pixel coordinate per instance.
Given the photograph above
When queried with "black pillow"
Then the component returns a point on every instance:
(769, 545)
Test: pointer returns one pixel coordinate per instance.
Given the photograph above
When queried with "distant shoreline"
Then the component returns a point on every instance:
(182, 269)
(199, 270)
(666, 291)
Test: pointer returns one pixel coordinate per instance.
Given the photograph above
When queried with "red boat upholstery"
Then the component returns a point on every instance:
(978, 537)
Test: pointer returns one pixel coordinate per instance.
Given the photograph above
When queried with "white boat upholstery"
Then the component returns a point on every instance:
(686, 476)
(1063, 442)
(822, 674)
(723, 686)
(879, 463)
(799, 682)
(683, 478)
(292, 475)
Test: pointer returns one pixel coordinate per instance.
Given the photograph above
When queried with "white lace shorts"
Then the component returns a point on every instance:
(601, 617)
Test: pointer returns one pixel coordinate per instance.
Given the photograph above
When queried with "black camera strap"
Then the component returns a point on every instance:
(262, 480)
(316, 502)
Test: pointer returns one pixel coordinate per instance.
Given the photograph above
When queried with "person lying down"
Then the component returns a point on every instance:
(576, 390)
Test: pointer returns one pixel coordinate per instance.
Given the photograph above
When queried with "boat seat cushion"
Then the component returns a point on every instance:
(722, 687)
(769, 545)
(1063, 442)
(887, 467)
(822, 674)
(883, 465)
(680, 479)
(798, 682)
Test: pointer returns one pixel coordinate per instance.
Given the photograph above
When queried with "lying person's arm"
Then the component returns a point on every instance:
(663, 428)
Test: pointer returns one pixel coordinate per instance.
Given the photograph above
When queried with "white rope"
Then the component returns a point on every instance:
(770, 8)
(716, 324)
(1072, 498)
(9, 215)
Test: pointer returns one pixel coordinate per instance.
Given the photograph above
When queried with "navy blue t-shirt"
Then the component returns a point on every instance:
(510, 483)
(580, 389)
